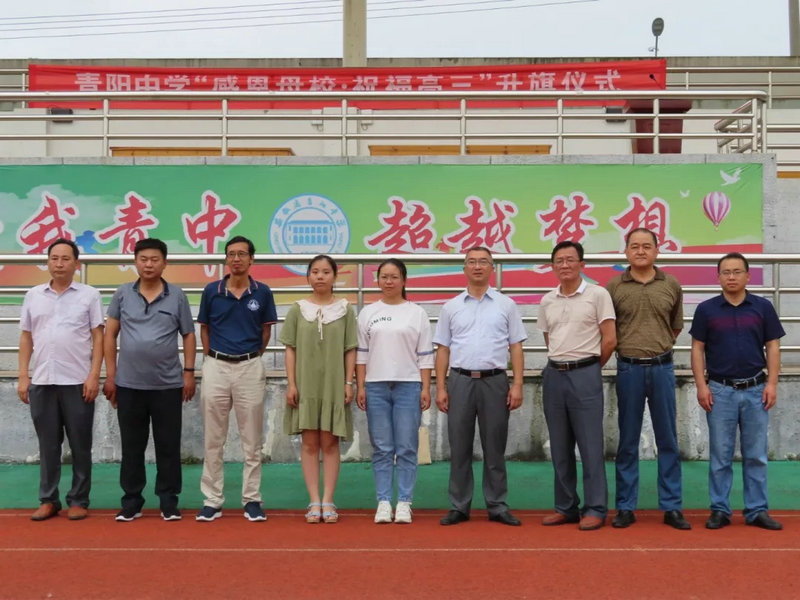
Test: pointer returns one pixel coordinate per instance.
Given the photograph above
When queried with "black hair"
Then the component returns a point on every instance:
(400, 266)
(738, 255)
(150, 244)
(75, 251)
(641, 230)
(240, 239)
(567, 244)
(319, 257)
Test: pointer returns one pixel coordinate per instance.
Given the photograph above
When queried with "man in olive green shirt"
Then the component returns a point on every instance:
(649, 308)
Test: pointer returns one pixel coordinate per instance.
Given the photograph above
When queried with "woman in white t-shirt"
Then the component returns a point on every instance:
(393, 371)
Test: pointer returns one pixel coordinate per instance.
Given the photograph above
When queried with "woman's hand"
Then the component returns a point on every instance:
(361, 398)
(348, 393)
(291, 396)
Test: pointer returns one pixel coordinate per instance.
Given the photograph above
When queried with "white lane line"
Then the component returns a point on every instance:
(388, 550)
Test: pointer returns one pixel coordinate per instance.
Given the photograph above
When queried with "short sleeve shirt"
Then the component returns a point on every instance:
(572, 323)
(61, 326)
(235, 324)
(148, 357)
(648, 313)
(479, 331)
(394, 341)
(734, 336)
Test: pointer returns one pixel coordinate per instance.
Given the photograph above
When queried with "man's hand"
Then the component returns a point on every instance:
(704, 397)
(189, 385)
(91, 387)
(770, 396)
(110, 391)
(514, 399)
(442, 400)
(22, 388)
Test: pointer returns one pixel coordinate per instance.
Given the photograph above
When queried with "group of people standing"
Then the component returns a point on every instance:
(383, 359)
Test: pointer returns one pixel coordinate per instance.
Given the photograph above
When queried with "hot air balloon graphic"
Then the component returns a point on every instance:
(716, 206)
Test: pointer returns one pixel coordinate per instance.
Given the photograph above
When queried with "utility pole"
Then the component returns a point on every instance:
(354, 38)
(794, 27)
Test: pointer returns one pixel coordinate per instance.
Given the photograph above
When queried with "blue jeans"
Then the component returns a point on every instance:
(393, 417)
(740, 409)
(656, 384)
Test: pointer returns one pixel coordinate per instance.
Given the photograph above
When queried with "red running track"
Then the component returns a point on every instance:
(286, 558)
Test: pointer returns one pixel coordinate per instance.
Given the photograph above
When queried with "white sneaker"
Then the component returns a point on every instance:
(384, 512)
(402, 513)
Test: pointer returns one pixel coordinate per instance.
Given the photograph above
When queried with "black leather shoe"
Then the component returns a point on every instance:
(764, 521)
(674, 518)
(624, 518)
(454, 517)
(717, 520)
(506, 518)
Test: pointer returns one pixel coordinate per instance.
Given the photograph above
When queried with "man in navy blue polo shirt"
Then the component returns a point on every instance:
(147, 384)
(236, 317)
(729, 335)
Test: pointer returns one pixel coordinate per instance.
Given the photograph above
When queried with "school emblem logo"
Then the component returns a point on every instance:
(253, 305)
(309, 224)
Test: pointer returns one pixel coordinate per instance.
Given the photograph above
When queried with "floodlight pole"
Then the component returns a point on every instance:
(657, 28)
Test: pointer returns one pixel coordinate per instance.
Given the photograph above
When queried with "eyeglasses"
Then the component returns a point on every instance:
(566, 261)
(389, 278)
(734, 272)
(237, 254)
(474, 262)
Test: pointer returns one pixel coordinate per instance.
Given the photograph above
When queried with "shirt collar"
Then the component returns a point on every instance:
(723, 300)
(222, 288)
(580, 290)
(72, 286)
(626, 276)
(490, 293)
(163, 281)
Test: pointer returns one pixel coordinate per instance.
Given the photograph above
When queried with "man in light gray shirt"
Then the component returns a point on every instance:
(149, 383)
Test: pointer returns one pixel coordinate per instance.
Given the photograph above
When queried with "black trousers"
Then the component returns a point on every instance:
(56, 409)
(136, 409)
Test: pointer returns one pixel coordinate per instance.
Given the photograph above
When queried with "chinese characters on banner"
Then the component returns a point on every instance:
(617, 75)
(407, 228)
(381, 209)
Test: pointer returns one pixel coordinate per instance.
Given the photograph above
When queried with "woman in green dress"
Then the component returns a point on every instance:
(320, 335)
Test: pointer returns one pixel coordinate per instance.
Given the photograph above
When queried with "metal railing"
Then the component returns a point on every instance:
(564, 114)
(773, 266)
(780, 83)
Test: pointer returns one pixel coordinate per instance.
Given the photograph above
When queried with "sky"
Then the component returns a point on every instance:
(42, 29)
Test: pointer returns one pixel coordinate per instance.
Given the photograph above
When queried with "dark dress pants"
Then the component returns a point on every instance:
(136, 409)
(484, 399)
(573, 409)
(56, 409)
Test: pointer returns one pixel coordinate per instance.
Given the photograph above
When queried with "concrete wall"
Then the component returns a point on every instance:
(528, 439)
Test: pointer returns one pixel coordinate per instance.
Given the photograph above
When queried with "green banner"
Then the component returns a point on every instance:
(380, 208)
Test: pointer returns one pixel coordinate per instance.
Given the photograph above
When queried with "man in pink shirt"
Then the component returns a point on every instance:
(62, 331)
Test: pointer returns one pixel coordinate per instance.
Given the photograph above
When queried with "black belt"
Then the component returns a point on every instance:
(741, 384)
(661, 359)
(478, 374)
(568, 365)
(232, 357)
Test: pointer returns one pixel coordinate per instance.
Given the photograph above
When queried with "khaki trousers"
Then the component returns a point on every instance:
(241, 386)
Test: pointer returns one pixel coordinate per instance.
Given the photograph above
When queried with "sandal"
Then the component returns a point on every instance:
(330, 516)
(314, 514)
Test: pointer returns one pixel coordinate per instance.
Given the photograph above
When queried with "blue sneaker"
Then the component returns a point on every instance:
(253, 512)
(208, 513)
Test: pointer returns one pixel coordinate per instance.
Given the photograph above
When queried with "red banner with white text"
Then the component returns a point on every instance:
(588, 76)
